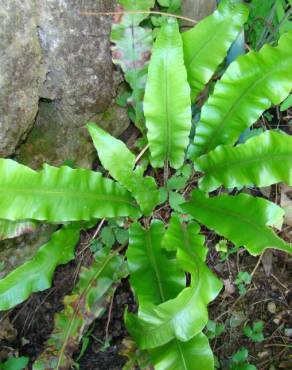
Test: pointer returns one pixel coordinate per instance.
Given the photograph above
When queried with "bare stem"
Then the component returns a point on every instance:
(143, 151)
(166, 172)
(96, 14)
(100, 225)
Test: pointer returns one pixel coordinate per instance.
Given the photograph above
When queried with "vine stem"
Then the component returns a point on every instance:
(141, 154)
(140, 12)
(109, 318)
(257, 264)
(100, 225)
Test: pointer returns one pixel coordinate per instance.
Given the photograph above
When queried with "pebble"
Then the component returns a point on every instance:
(276, 321)
(272, 307)
(264, 354)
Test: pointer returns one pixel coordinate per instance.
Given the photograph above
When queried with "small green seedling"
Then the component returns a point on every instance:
(242, 280)
(113, 233)
(255, 333)
(95, 245)
(14, 363)
(104, 345)
(179, 179)
(213, 329)
(239, 361)
(268, 116)
(224, 251)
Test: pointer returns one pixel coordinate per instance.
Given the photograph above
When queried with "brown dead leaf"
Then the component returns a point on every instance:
(267, 261)
(229, 287)
(7, 331)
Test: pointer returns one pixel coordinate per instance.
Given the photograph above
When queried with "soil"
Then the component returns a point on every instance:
(268, 298)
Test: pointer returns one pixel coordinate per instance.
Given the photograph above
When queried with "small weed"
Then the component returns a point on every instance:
(14, 363)
(224, 251)
(242, 280)
(213, 329)
(255, 333)
(239, 361)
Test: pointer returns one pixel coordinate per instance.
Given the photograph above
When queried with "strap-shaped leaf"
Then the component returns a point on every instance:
(13, 229)
(120, 162)
(60, 194)
(194, 354)
(178, 234)
(249, 86)
(87, 302)
(206, 45)
(131, 50)
(36, 274)
(184, 316)
(167, 104)
(264, 160)
(154, 277)
(243, 219)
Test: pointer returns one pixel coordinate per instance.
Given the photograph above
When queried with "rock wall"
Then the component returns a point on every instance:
(22, 72)
(198, 9)
(77, 57)
(55, 74)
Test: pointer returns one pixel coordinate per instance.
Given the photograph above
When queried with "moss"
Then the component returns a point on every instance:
(48, 142)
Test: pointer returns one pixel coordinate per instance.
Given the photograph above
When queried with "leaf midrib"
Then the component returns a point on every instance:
(190, 298)
(181, 354)
(168, 125)
(265, 158)
(236, 102)
(203, 46)
(66, 193)
(154, 265)
(261, 228)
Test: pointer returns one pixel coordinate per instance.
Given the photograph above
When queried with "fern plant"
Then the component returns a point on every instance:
(172, 312)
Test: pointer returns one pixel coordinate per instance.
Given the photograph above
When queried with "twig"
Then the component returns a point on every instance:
(232, 306)
(100, 225)
(166, 172)
(257, 265)
(109, 318)
(140, 12)
(144, 150)
(277, 345)
(279, 282)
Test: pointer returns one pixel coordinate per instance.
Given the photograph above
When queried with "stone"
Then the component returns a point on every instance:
(54, 143)
(77, 54)
(48, 142)
(197, 9)
(22, 72)
(272, 308)
(115, 120)
(57, 63)
(264, 354)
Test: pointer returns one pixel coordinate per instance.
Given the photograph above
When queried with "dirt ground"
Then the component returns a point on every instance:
(268, 298)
